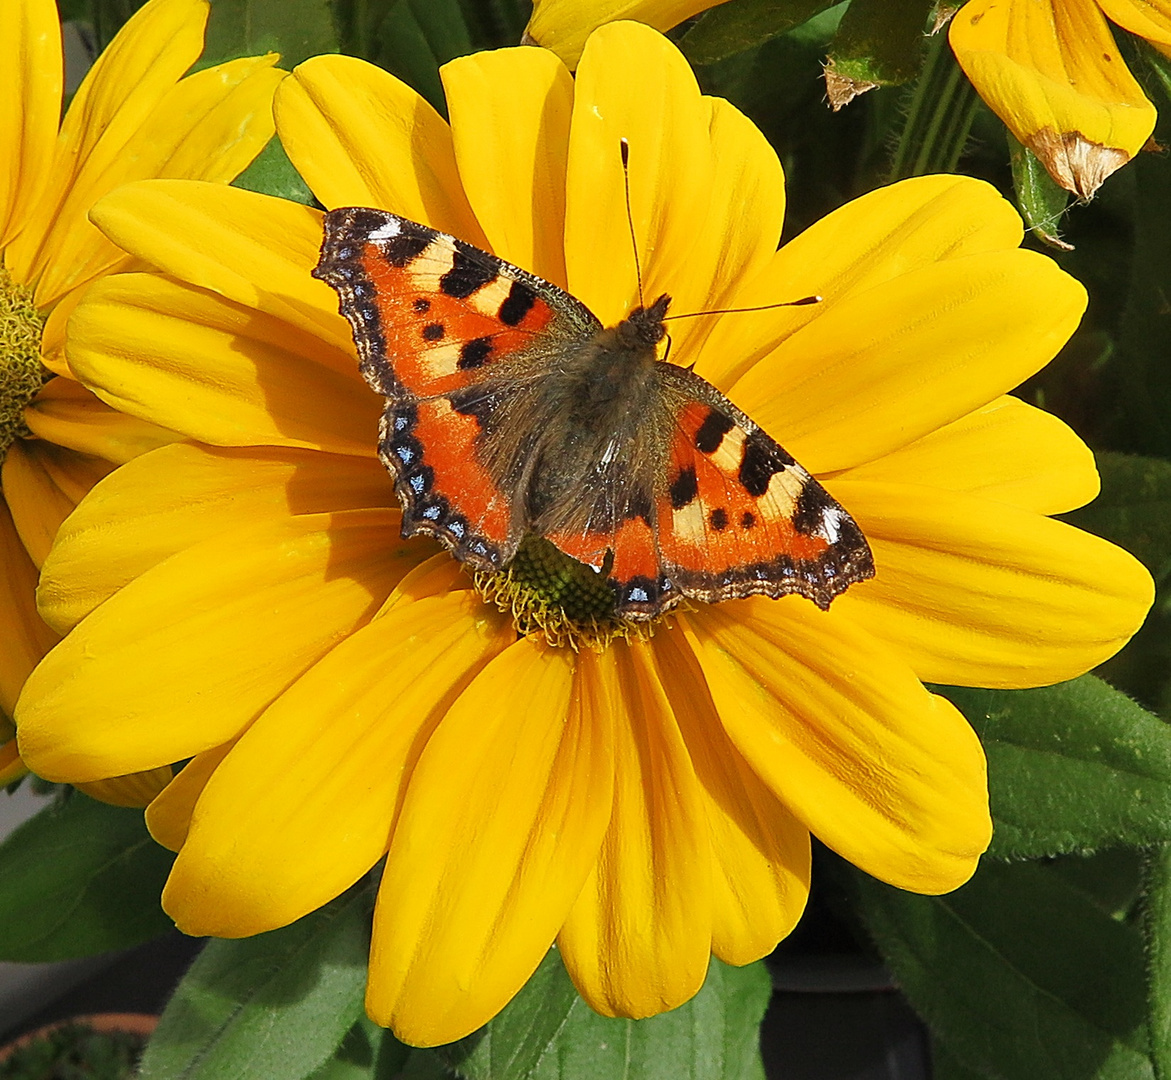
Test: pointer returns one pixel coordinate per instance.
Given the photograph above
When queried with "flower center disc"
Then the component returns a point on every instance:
(21, 372)
(549, 593)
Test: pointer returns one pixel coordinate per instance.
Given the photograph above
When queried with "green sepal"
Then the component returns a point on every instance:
(879, 43)
(276, 1005)
(1041, 200)
(549, 1033)
(1019, 974)
(1072, 767)
(78, 879)
(737, 25)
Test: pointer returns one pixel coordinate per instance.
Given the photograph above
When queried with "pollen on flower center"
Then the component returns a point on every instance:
(548, 592)
(21, 372)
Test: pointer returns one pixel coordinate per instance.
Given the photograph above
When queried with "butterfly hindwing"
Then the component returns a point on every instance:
(429, 447)
(739, 516)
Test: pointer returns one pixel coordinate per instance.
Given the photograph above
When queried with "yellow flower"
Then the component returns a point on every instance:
(564, 25)
(243, 598)
(132, 117)
(1051, 71)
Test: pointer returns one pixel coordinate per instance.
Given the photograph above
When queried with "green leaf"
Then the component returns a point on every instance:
(109, 16)
(1071, 767)
(410, 38)
(946, 1066)
(356, 1056)
(275, 1006)
(879, 43)
(1041, 200)
(1157, 935)
(272, 173)
(1133, 510)
(549, 1033)
(740, 24)
(1141, 398)
(494, 24)
(1019, 974)
(80, 878)
(297, 29)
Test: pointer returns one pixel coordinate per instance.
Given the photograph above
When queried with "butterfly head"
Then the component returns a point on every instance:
(643, 327)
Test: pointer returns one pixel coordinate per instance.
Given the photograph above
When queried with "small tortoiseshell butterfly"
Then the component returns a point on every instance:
(511, 411)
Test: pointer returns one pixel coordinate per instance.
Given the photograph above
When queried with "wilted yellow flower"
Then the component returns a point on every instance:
(1050, 69)
(132, 117)
(243, 599)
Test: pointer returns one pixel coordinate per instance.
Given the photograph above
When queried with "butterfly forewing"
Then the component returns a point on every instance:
(442, 330)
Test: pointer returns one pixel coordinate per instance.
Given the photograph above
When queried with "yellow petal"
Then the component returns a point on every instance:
(207, 127)
(217, 371)
(876, 238)
(184, 656)
(11, 766)
(837, 725)
(165, 502)
(510, 112)
(738, 235)
(53, 334)
(1150, 19)
(1007, 451)
(564, 25)
(304, 803)
(760, 852)
(436, 576)
(476, 887)
(638, 940)
(979, 593)
(169, 816)
(136, 789)
(1052, 72)
(24, 638)
(889, 365)
(42, 484)
(633, 84)
(125, 84)
(30, 57)
(361, 137)
(253, 249)
(67, 414)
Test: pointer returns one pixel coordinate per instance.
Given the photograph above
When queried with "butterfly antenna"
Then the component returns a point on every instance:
(805, 300)
(625, 149)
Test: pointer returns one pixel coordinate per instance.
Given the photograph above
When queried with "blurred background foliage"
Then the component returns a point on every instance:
(1055, 961)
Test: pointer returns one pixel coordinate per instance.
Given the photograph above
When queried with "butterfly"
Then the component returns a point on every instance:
(511, 411)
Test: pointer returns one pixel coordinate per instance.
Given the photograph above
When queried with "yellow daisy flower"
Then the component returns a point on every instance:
(243, 598)
(1050, 69)
(132, 117)
(564, 25)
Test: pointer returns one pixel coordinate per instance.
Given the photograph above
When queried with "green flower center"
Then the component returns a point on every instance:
(547, 592)
(21, 372)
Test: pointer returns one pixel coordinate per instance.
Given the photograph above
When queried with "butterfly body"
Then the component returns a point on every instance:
(513, 412)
